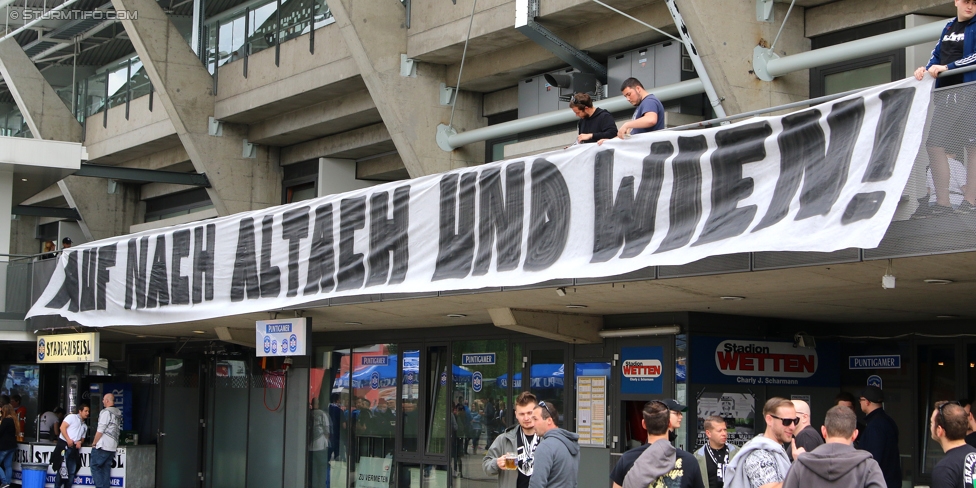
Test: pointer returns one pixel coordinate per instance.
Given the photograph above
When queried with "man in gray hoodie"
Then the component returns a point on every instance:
(106, 442)
(557, 457)
(836, 464)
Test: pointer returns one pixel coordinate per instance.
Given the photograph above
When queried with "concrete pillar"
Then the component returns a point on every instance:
(376, 35)
(243, 179)
(6, 204)
(728, 58)
(46, 114)
(103, 214)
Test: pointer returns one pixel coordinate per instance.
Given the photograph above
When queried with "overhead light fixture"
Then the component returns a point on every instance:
(646, 331)
(937, 281)
(941, 363)
(947, 316)
(23, 179)
(732, 298)
(456, 315)
(354, 323)
(575, 306)
(561, 292)
(141, 336)
(199, 332)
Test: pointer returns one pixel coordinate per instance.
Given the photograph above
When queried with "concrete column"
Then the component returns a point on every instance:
(376, 35)
(103, 214)
(725, 30)
(6, 204)
(242, 179)
(46, 114)
(339, 176)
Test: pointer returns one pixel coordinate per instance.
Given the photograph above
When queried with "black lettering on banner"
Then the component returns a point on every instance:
(804, 156)
(294, 228)
(388, 236)
(549, 216)
(862, 206)
(270, 275)
(455, 248)
(89, 260)
(734, 148)
(626, 221)
(895, 108)
(888, 138)
(203, 262)
(68, 292)
(352, 217)
(180, 285)
(502, 215)
(135, 273)
(158, 286)
(321, 261)
(106, 260)
(686, 206)
(244, 281)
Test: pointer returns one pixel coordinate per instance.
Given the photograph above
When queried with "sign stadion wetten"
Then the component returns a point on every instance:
(68, 348)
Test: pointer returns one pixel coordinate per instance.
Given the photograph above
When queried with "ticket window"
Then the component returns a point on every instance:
(643, 370)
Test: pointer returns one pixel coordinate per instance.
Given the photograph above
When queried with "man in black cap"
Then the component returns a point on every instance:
(880, 436)
(65, 243)
(677, 414)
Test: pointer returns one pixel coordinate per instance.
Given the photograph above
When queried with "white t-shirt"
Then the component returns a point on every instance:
(77, 429)
(48, 420)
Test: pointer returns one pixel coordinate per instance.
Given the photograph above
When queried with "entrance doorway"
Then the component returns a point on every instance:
(644, 369)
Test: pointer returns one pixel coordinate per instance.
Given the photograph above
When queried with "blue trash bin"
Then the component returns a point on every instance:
(33, 475)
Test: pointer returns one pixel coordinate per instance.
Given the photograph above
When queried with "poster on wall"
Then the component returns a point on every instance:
(641, 370)
(737, 409)
(750, 362)
(591, 410)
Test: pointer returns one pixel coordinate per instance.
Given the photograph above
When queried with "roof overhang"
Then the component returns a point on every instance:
(38, 164)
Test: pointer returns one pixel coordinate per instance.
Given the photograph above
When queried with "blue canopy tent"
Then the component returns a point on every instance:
(543, 376)
(387, 373)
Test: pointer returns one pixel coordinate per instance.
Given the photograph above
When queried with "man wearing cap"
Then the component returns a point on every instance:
(880, 436)
(677, 414)
(65, 243)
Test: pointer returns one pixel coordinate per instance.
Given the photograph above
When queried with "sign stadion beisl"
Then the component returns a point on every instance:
(68, 348)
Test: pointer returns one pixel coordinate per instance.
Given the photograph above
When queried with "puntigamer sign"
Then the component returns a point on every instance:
(68, 348)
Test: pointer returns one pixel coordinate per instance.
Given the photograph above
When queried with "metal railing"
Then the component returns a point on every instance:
(23, 279)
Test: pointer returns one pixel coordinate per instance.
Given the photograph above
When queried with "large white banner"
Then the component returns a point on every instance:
(822, 179)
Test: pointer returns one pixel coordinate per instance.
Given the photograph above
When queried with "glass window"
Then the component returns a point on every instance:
(410, 400)
(329, 389)
(437, 410)
(681, 384)
(95, 95)
(262, 28)
(547, 374)
(937, 382)
(231, 40)
(477, 368)
(374, 390)
(857, 78)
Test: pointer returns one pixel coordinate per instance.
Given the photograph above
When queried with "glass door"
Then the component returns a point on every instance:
(479, 370)
(179, 437)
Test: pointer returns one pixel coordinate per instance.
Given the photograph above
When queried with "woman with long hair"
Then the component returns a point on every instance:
(9, 432)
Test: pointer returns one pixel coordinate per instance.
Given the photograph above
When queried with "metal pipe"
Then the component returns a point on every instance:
(713, 97)
(35, 21)
(449, 140)
(73, 43)
(855, 49)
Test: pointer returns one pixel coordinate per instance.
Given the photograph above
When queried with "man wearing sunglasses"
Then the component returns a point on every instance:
(948, 425)
(880, 436)
(557, 456)
(762, 462)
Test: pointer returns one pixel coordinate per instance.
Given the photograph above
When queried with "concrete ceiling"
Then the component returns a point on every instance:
(841, 293)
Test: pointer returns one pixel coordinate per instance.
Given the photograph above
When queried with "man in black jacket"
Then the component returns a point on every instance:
(880, 436)
(595, 123)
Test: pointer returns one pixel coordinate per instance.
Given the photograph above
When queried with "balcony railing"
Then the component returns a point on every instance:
(23, 279)
(245, 31)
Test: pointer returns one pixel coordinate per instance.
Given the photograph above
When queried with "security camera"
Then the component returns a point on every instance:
(804, 340)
